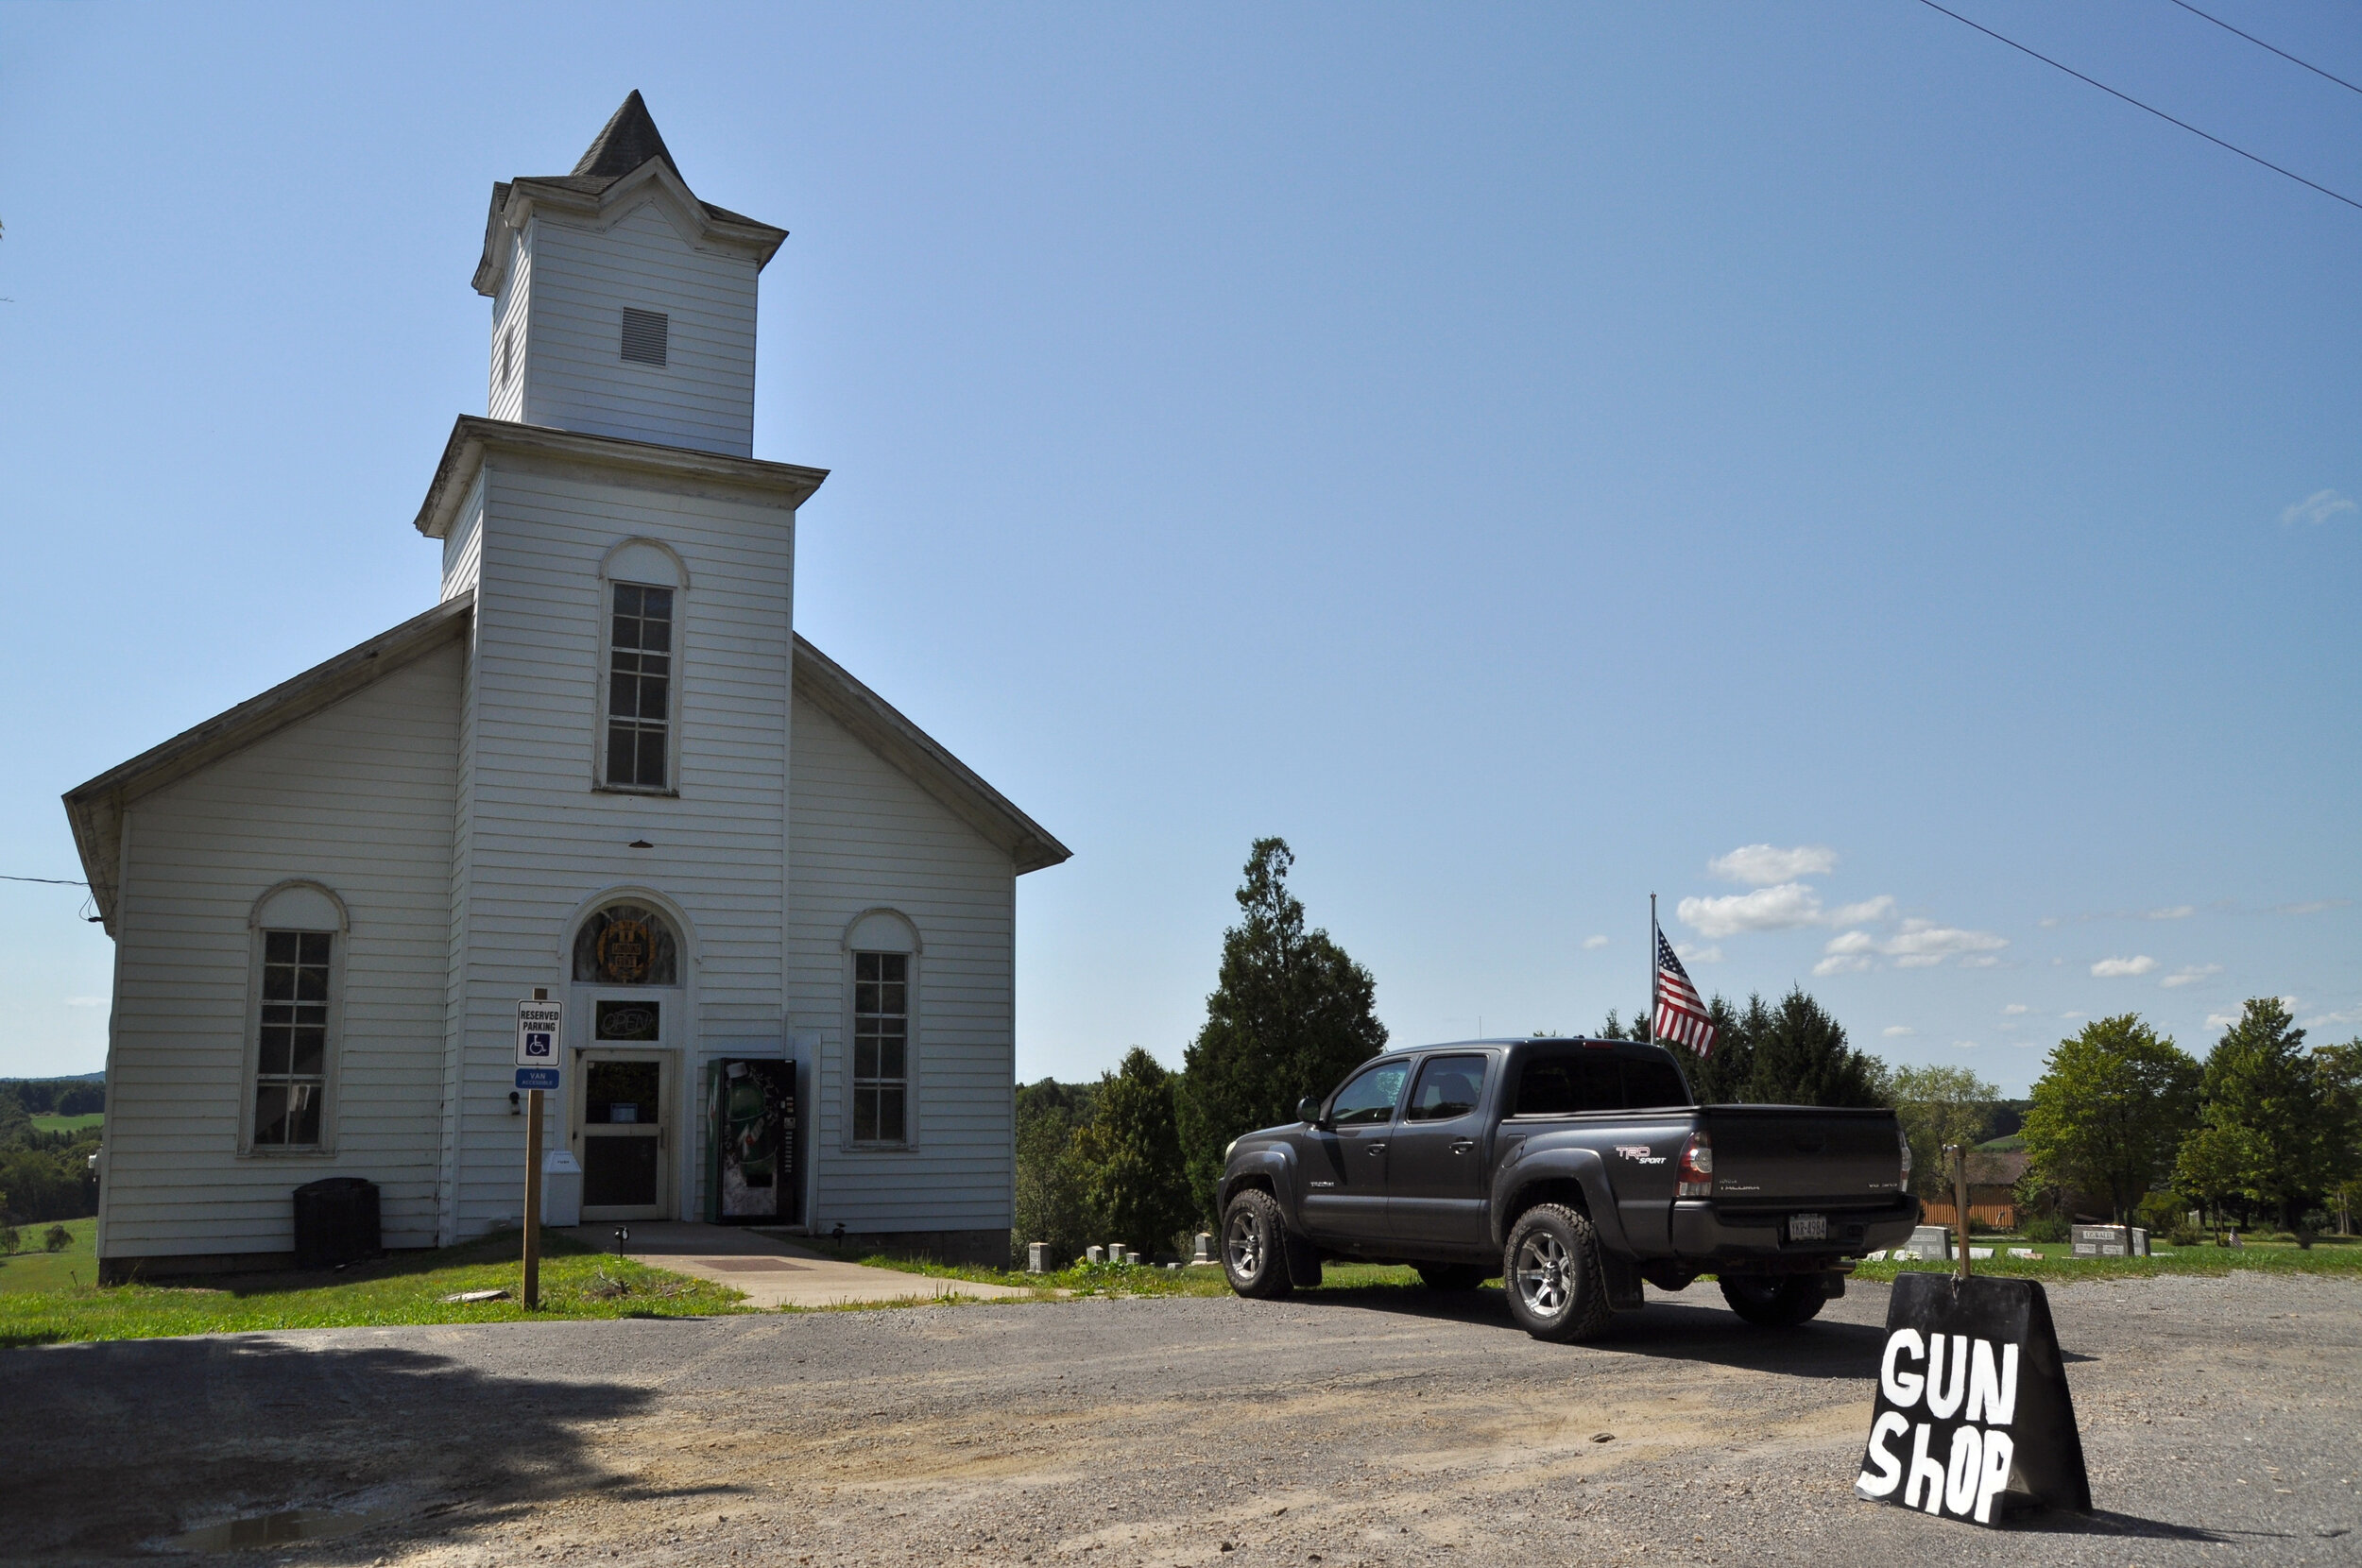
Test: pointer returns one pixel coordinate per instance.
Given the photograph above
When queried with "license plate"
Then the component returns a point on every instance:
(1809, 1227)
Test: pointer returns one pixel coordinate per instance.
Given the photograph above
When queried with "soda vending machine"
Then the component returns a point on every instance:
(752, 1118)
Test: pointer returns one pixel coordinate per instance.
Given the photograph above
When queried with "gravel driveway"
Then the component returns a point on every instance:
(2221, 1417)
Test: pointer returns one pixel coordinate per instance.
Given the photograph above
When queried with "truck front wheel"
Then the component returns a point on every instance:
(1252, 1243)
(1551, 1275)
(1774, 1302)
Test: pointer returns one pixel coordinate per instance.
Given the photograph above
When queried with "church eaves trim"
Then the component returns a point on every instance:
(95, 810)
(472, 436)
(882, 726)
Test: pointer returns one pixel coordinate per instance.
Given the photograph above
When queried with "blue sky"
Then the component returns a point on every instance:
(1816, 463)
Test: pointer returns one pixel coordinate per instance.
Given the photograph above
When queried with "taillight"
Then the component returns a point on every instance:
(1696, 1170)
(1903, 1140)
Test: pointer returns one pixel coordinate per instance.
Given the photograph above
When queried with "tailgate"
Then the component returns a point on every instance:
(1789, 1154)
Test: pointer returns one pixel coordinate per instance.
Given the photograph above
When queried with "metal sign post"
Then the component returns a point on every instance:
(1957, 1154)
(539, 1028)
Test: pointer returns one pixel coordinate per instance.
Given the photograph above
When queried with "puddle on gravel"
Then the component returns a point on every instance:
(272, 1529)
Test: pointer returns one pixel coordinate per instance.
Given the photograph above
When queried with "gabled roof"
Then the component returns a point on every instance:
(96, 808)
(883, 728)
(626, 155)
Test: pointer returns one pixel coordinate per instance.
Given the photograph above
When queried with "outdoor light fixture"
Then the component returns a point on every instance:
(516, 1104)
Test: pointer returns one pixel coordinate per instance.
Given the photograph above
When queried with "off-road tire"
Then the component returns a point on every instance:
(1550, 1274)
(1451, 1276)
(1254, 1245)
(1781, 1302)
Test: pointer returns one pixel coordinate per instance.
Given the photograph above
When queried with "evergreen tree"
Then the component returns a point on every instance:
(1797, 1055)
(1290, 1016)
(1050, 1204)
(2274, 1109)
(1129, 1152)
(2110, 1109)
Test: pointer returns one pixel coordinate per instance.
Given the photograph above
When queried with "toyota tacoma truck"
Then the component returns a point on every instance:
(1572, 1169)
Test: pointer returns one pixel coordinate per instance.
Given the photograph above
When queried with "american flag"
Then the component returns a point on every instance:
(1681, 1014)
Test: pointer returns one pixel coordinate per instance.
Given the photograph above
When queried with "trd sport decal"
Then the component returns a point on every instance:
(1638, 1153)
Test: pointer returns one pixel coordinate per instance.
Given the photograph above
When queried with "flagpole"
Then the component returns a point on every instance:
(1652, 941)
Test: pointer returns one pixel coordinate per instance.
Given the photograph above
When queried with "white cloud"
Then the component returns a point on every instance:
(1593, 944)
(1920, 945)
(2175, 911)
(2332, 1020)
(2314, 907)
(2070, 1013)
(1963, 1045)
(2316, 508)
(2116, 968)
(1880, 908)
(1761, 865)
(2189, 974)
(2015, 1010)
(1708, 954)
(1773, 908)
(2221, 1020)
(86, 1001)
(1898, 1031)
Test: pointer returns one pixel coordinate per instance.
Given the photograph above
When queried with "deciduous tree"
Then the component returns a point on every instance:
(1939, 1105)
(2277, 1106)
(2109, 1111)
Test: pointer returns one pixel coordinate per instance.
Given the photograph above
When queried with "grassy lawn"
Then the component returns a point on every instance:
(2328, 1255)
(34, 1270)
(41, 1302)
(1112, 1279)
(68, 1124)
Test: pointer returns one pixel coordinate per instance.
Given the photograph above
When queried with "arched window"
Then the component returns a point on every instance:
(642, 583)
(627, 945)
(296, 979)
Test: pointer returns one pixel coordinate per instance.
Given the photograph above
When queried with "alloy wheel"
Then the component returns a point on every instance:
(1245, 1246)
(1542, 1275)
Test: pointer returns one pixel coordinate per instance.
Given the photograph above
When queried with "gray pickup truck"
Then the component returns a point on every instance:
(1573, 1169)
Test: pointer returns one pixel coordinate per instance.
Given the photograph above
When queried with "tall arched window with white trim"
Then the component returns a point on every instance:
(882, 948)
(300, 929)
(643, 585)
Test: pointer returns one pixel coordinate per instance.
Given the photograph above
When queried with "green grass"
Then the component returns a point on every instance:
(2330, 1255)
(68, 1124)
(40, 1305)
(35, 1270)
(1111, 1279)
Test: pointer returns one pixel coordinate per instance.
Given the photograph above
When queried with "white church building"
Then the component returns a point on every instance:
(603, 765)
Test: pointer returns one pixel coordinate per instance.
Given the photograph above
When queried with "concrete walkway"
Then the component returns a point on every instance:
(772, 1273)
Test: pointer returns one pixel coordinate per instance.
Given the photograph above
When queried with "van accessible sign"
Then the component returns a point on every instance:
(1973, 1419)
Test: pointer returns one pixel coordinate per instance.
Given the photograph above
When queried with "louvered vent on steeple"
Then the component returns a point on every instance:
(645, 334)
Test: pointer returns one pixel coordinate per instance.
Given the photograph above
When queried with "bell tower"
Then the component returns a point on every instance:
(622, 304)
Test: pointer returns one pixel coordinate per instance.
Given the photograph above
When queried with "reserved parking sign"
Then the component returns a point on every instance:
(540, 1026)
(1973, 1419)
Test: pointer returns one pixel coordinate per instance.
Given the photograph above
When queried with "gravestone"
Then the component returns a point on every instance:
(1095, 1254)
(1204, 1256)
(1038, 1258)
(2111, 1241)
(1927, 1242)
(1973, 1419)
(1116, 1252)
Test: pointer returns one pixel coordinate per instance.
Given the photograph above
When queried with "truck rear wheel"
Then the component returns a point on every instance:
(1776, 1302)
(1551, 1275)
(1254, 1242)
(1451, 1276)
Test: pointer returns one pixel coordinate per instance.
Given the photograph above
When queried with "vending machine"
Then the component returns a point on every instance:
(751, 1118)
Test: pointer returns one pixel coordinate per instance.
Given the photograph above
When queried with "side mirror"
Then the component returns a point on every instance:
(1309, 1110)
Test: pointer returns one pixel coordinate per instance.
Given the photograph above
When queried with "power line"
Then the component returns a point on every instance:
(2261, 44)
(53, 881)
(2138, 103)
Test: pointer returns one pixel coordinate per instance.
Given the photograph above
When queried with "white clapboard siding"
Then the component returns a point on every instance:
(359, 798)
(512, 319)
(866, 837)
(578, 379)
(540, 842)
(463, 546)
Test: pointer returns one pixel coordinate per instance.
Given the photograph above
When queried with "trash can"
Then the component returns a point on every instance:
(561, 1189)
(335, 1222)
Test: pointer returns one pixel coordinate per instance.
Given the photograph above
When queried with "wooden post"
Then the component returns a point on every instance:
(1957, 1153)
(533, 1186)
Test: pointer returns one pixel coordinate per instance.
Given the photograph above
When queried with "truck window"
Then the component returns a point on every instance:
(1448, 1087)
(1560, 1083)
(1652, 1083)
(1370, 1099)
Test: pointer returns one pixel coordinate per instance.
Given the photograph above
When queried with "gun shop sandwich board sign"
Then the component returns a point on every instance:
(1973, 1419)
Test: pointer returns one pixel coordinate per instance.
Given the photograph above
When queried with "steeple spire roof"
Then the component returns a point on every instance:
(628, 140)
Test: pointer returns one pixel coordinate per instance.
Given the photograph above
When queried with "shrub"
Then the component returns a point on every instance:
(7, 1237)
(2049, 1227)
(56, 1238)
(2185, 1235)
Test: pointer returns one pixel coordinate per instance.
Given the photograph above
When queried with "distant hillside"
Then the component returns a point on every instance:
(60, 1077)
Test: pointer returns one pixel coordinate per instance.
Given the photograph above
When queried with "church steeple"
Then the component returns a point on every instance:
(622, 303)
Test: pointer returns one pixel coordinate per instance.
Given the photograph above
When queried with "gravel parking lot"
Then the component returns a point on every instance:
(2221, 1418)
